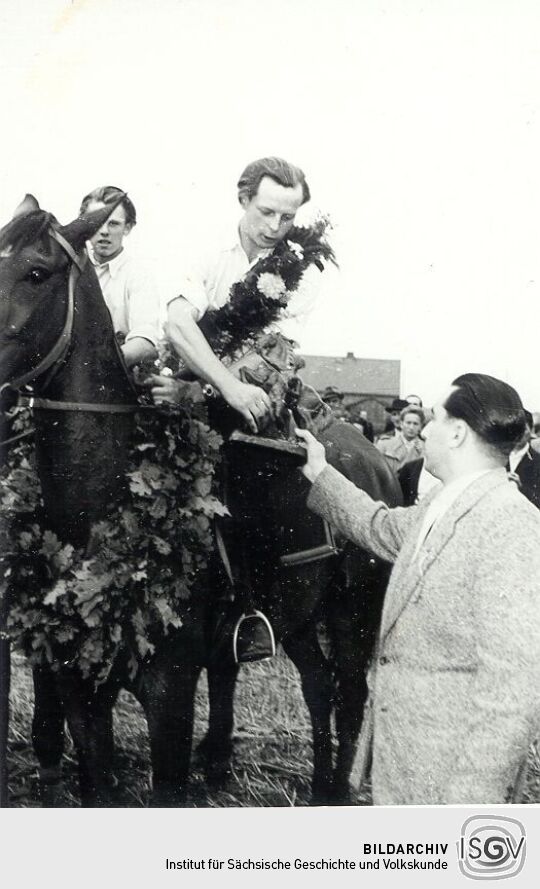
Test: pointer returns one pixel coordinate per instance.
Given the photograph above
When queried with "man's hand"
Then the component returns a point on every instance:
(316, 455)
(138, 350)
(250, 401)
(167, 389)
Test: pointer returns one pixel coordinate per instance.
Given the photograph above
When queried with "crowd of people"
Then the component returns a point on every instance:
(454, 684)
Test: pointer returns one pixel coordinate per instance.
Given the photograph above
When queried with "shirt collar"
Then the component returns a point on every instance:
(516, 457)
(113, 265)
(236, 247)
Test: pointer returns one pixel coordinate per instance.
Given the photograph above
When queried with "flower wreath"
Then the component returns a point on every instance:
(262, 296)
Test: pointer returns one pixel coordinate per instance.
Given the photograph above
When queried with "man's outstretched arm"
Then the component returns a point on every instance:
(185, 335)
(366, 522)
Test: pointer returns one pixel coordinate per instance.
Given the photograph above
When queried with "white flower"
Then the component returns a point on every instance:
(271, 286)
(165, 372)
(296, 249)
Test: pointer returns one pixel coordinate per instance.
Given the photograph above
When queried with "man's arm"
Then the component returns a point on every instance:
(367, 523)
(138, 349)
(190, 343)
(143, 315)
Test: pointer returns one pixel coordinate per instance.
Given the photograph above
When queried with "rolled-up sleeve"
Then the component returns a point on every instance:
(192, 288)
(142, 305)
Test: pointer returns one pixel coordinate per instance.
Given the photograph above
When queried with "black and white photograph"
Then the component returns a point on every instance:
(270, 426)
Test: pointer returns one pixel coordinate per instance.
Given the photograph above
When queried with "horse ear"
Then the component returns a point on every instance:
(27, 205)
(84, 227)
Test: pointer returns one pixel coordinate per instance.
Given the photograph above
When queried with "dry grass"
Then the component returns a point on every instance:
(273, 757)
(272, 762)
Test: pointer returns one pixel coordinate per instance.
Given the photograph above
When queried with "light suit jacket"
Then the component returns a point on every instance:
(397, 453)
(455, 684)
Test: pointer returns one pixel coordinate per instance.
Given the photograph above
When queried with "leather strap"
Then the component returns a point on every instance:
(85, 406)
(61, 345)
(222, 550)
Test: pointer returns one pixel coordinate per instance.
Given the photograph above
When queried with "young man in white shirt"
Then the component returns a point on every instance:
(270, 191)
(128, 289)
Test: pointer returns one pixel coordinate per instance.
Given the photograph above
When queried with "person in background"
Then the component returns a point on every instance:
(455, 683)
(535, 440)
(367, 426)
(524, 464)
(415, 481)
(333, 397)
(414, 399)
(407, 444)
(128, 289)
(393, 423)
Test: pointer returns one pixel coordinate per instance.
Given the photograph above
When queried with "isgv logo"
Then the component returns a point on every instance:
(491, 847)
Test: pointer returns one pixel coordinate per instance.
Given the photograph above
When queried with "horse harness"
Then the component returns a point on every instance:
(52, 362)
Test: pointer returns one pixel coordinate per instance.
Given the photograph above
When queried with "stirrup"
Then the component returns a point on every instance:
(253, 638)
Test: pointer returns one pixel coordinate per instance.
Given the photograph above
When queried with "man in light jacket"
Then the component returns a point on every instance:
(455, 684)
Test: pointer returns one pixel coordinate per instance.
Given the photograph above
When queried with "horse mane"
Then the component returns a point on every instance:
(32, 228)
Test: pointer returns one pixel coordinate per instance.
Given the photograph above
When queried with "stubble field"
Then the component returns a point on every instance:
(272, 741)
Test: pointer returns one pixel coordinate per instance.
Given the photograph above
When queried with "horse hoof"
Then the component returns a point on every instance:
(167, 797)
(322, 795)
(51, 787)
(216, 763)
(218, 773)
(51, 794)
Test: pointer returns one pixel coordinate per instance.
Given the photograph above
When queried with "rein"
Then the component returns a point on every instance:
(86, 406)
(53, 360)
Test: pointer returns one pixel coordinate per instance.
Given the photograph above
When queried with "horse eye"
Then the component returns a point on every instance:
(38, 275)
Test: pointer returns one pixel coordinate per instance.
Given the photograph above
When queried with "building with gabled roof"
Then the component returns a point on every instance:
(368, 384)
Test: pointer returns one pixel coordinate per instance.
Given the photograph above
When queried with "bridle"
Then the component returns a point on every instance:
(52, 362)
(53, 359)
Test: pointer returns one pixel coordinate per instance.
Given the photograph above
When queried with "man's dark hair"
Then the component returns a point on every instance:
(419, 403)
(491, 408)
(109, 194)
(276, 168)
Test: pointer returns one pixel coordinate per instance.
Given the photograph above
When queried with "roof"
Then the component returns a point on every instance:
(377, 376)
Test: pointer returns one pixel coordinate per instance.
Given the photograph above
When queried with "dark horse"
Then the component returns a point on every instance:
(317, 596)
(56, 332)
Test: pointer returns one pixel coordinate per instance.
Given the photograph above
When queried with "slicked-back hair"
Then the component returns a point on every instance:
(281, 171)
(109, 194)
(491, 408)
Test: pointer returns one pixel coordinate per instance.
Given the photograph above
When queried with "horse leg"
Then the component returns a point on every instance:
(166, 691)
(5, 675)
(353, 620)
(48, 735)
(317, 685)
(89, 715)
(351, 698)
(217, 745)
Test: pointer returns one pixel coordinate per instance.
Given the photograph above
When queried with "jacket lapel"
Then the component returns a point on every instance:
(408, 571)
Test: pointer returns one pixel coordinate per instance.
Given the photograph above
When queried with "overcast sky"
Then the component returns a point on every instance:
(417, 124)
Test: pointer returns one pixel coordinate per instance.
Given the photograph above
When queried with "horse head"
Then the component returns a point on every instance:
(36, 254)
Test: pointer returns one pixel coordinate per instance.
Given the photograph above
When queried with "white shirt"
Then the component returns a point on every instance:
(426, 482)
(208, 283)
(515, 457)
(442, 502)
(131, 296)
